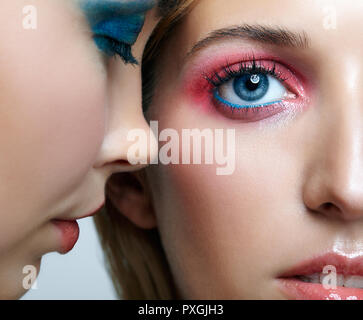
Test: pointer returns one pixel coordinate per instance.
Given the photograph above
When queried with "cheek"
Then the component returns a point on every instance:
(229, 229)
(54, 125)
(220, 226)
(53, 111)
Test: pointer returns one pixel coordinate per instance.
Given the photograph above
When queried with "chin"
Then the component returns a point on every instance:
(14, 284)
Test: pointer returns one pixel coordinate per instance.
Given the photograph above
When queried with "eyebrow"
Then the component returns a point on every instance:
(277, 36)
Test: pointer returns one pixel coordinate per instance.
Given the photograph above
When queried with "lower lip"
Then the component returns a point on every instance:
(300, 290)
(69, 234)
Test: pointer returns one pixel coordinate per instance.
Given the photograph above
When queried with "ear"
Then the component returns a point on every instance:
(128, 193)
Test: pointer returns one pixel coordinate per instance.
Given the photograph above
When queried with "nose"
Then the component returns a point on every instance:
(334, 184)
(129, 144)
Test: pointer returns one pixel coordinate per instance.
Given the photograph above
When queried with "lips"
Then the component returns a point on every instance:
(70, 230)
(327, 277)
(69, 234)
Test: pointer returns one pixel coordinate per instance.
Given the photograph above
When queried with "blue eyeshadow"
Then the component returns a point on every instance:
(119, 20)
(123, 29)
(97, 10)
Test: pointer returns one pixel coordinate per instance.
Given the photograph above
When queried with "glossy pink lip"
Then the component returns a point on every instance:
(299, 289)
(69, 234)
(344, 265)
(70, 230)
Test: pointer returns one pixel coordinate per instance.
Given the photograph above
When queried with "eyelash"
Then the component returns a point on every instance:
(244, 67)
(112, 47)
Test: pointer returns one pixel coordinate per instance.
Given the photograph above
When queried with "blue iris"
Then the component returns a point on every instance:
(251, 87)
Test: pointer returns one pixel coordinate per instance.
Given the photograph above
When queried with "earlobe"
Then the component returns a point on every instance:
(128, 194)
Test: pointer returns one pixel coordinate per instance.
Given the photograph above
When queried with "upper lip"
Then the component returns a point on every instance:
(91, 213)
(342, 264)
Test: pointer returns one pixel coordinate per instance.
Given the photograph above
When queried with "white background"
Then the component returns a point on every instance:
(78, 275)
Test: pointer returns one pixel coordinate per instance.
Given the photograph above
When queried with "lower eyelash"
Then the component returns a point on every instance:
(251, 114)
(236, 106)
(112, 47)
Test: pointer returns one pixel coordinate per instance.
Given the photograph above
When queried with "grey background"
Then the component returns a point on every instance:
(78, 275)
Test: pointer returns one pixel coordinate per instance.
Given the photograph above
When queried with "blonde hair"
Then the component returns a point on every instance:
(135, 257)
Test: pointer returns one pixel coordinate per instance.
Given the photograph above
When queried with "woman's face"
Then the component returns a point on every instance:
(287, 77)
(66, 107)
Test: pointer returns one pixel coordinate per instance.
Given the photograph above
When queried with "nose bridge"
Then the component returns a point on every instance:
(337, 178)
(124, 116)
(344, 166)
(346, 129)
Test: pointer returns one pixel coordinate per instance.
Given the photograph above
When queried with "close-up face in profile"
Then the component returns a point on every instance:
(286, 76)
(70, 91)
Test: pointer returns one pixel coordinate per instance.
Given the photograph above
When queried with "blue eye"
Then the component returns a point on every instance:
(251, 90)
(252, 85)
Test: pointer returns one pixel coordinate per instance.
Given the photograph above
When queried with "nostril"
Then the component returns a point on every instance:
(121, 162)
(328, 206)
(330, 210)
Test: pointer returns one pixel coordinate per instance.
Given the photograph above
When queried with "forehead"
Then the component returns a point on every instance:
(327, 23)
(313, 14)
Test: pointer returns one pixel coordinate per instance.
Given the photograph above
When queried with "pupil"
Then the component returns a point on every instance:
(253, 83)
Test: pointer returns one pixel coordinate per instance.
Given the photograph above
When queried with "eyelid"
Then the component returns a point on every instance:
(122, 29)
(117, 35)
(234, 51)
(253, 66)
(101, 9)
